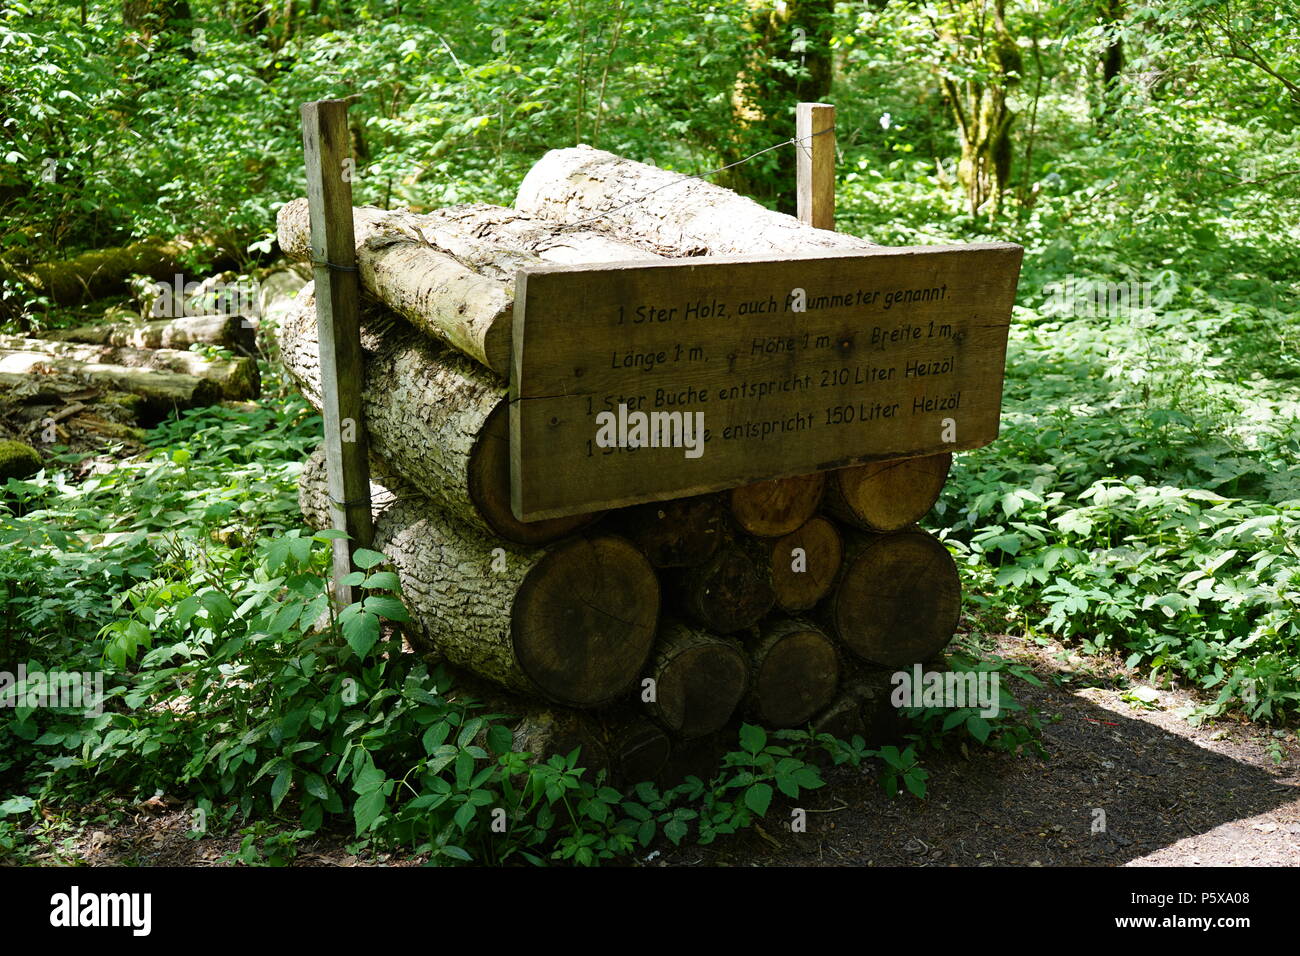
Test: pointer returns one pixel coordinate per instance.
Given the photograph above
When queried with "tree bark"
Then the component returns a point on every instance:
(236, 379)
(699, 680)
(669, 214)
(887, 495)
(440, 420)
(898, 599)
(574, 623)
(451, 274)
(795, 673)
(227, 331)
(804, 564)
(771, 509)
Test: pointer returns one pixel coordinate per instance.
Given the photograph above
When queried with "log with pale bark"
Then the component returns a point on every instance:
(226, 331)
(699, 680)
(440, 420)
(887, 495)
(665, 212)
(451, 273)
(898, 599)
(236, 378)
(770, 509)
(795, 672)
(573, 623)
(159, 389)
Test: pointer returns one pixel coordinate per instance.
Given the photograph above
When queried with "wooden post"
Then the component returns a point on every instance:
(815, 132)
(328, 149)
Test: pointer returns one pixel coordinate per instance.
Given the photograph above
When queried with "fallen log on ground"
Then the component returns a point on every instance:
(451, 274)
(795, 673)
(236, 379)
(226, 331)
(160, 390)
(440, 420)
(95, 274)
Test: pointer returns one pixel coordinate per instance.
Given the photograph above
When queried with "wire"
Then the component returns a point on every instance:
(793, 141)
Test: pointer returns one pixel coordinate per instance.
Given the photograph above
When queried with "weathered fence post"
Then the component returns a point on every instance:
(328, 149)
(815, 131)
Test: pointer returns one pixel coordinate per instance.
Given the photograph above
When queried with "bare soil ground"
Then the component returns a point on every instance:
(1224, 793)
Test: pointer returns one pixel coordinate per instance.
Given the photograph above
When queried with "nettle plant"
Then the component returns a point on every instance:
(244, 691)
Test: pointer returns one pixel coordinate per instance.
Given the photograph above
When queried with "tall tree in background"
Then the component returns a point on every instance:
(789, 62)
(981, 64)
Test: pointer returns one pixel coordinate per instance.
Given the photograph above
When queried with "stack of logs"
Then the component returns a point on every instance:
(80, 386)
(786, 603)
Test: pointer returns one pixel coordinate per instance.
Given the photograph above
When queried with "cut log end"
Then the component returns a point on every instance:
(887, 495)
(728, 593)
(796, 672)
(682, 533)
(899, 598)
(770, 509)
(699, 680)
(584, 620)
(806, 564)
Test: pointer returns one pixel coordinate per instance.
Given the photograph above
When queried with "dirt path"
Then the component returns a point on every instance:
(1173, 794)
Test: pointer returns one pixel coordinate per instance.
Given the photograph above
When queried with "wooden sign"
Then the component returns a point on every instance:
(636, 382)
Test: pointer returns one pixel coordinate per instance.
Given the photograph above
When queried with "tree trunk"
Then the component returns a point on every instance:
(804, 564)
(771, 509)
(440, 420)
(898, 599)
(669, 213)
(887, 495)
(313, 489)
(682, 533)
(699, 680)
(236, 379)
(795, 673)
(227, 331)
(574, 623)
(727, 593)
(451, 274)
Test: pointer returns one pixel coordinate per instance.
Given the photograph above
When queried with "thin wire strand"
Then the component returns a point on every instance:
(793, 141)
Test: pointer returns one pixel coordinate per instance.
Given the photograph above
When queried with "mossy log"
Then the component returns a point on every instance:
(699, 680)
